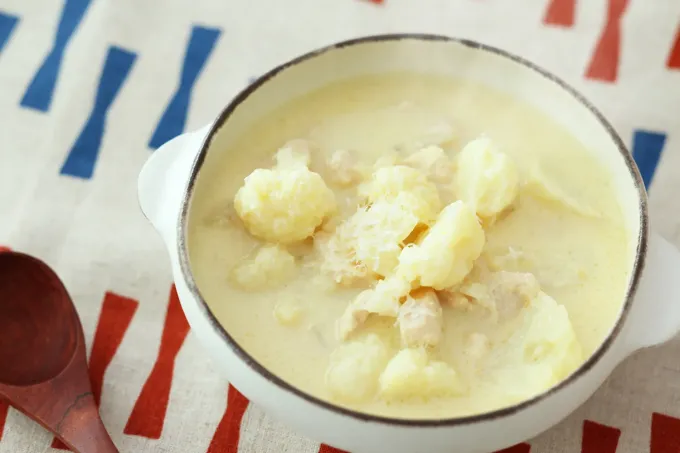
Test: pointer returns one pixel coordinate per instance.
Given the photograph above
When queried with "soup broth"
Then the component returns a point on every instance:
(534, 292)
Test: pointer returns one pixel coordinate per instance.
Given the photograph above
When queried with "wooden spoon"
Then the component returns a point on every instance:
(43, 365)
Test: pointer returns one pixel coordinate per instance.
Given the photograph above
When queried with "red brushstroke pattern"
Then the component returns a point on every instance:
(228, 431)
(519, 448)
(674, 57)
(604, 64)
(561, 13)
(599, 438)
(148, 415)
(4, 407)
(114, 321)
(665, 434)
(328, 449)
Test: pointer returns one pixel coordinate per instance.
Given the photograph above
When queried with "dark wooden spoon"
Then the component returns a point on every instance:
(43, 365)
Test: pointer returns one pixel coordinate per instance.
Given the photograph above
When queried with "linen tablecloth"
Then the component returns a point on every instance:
(89, 88)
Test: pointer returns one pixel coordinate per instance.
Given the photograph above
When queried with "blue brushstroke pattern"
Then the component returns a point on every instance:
(174, 118)
(7, 24)
(39, 93)
(647, 149)
(83, 156)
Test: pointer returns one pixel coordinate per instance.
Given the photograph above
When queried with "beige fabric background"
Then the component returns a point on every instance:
(92, 232)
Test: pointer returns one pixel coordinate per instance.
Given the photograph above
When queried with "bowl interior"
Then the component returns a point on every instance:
(455, 58)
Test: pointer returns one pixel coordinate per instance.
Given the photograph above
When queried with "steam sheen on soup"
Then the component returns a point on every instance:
(410, 246)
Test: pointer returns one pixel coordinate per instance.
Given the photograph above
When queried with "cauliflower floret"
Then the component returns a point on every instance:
(410, 374)
(388, 182)
(543, 351)
(295, 153)
(288, 312)
(354, 368)
(550, 338)
(448, 250)
(271, 266)
(432, 161)
(370, 241)
(421, 319)
(343, 167)
(284, 205)
(388, 159)
(383, 300)
(485, 178)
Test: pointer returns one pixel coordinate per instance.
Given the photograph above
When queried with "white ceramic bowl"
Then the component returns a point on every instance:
(650, 313)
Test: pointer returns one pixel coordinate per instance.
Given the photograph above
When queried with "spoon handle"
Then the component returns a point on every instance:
(82, 428)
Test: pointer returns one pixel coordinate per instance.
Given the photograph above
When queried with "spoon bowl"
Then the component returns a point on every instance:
(37, 320)
(43, 371)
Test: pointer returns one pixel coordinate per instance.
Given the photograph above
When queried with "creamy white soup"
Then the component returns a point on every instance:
(410, 246)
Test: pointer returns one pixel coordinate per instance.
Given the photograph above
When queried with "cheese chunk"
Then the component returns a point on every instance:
(448, 250)
(411, 374)
(271, 266)
(389, 182)
(284, 205)
(354, 369)
(485, 178)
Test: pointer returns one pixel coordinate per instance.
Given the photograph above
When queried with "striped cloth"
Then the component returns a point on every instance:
(89, 88)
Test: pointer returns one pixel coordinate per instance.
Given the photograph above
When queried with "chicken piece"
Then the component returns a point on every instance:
(389, 182)
(432, 161)
(512, 291)
(271, 266)
(477, 346)
(485, 178)
(354, 369)
(383, 300)
(295, 153)
(504, 293)
(411, 374)
(451, 297)
(343, 168)
(284, 205)
(420, 319)
(446, 253)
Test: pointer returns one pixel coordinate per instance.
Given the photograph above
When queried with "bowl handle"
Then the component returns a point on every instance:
(164, 177)
(655, 317)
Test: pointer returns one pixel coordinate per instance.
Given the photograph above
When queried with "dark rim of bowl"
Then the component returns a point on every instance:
(638, 265)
